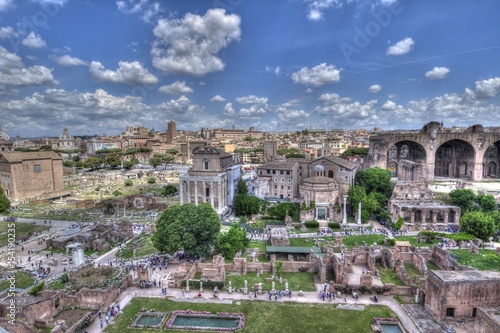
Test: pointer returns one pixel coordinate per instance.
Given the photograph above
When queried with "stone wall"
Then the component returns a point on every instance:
(43, 308)
(19, 327)
(486, 322)
(442, 258)
(461, 292)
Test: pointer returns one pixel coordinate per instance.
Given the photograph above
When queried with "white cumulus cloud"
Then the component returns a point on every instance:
(127, 72)
(13, 72)
(34, 41)
(487, 88)
(67, 60)
(176, 88)
(437, 73)
(375, 88)
(251, 99)
(218, 98)
(7, 32)
(317, 76)
(316, 8)
(190, 45)
(402, 47)
(388, 106)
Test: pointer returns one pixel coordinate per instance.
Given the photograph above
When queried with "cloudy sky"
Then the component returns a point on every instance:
(97, 66)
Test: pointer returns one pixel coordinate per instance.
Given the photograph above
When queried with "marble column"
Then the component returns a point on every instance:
(220, 201)
(344, 218)
(359, 213)
(196, 192)
(212, 194)
(204, 189)
(188, 185)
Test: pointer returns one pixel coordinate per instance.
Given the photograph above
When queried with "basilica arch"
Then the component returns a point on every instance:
(455, 159)
(405, 160)
(437, 151)
(491, 161)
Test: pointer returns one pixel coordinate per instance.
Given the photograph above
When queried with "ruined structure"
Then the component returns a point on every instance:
(435, 151)
(416, 204)
(455, 294)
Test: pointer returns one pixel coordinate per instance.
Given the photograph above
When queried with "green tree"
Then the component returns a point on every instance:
(155, 161)
(172, 151)
(168, 190)
(4, 201)
(93, 162)
(280, 210)
(478, 224)
(151, 180)
(463, 198)
(127, 165)
(187, 227)
(245, 204)
(242, 187)
(232, 241)
(495, 214)
(113, 160)
(399, 223)
(355, 152)
(375, 180)
(128, 182)
(487, 202)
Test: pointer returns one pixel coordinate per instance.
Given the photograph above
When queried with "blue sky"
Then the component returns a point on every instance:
(97, 66)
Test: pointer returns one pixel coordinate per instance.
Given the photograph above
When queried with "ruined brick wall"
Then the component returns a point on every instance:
(485, 323)
(442, 258)
(19, 327)
(463, 296)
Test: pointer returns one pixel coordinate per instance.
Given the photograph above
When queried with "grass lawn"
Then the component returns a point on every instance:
(349, 241)
(296, 281)
(22, 229)
(263, 316)
(432, 266)
(413, 241)
(23, 281)
(487, 260)
(146, 249)
(307, 242)
(388, 275)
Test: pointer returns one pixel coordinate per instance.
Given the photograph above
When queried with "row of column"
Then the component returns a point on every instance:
(220, 185)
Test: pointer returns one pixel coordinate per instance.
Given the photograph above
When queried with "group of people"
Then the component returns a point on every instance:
(111, 311)
(278, 294)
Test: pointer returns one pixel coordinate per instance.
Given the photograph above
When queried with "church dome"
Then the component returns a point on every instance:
(4, 136)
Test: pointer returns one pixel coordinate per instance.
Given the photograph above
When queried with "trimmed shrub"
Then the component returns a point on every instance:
(333, 225)
(311, 224)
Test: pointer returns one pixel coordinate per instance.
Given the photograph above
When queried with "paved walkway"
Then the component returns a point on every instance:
(224, 297)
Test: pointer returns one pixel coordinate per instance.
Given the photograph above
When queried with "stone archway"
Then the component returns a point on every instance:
(407, 160)
(455, 159)
(491, 161)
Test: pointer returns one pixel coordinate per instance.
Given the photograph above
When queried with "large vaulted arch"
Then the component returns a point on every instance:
(455, 159)
(491, 161)
(407, 160)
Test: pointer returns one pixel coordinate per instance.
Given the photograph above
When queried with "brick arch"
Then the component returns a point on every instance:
(406, 152)
(491, 160)
(431, 138)
(455, 158)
